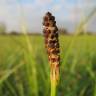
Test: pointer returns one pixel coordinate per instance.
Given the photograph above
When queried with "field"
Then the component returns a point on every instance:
(24, 68)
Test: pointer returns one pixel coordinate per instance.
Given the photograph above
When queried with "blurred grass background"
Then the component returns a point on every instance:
(26, 73)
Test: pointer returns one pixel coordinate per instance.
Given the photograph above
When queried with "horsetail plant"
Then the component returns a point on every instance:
(50, 31)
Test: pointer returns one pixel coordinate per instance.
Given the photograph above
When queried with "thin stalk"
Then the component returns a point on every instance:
(53, 88)
(29, 58)
(9, 73)
(52, 46)
(1, 90)
(11, 88)
(78, 30)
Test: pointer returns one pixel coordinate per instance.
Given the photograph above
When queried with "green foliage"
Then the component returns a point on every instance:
(26, 73)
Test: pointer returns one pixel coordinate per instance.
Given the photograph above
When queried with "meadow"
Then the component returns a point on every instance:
(24, 67)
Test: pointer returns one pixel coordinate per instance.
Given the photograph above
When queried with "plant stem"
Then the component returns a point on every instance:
(53, 88)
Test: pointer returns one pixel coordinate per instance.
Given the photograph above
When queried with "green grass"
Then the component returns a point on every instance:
(25, 72)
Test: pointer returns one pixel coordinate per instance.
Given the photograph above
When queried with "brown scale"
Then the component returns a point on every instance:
(52, 43)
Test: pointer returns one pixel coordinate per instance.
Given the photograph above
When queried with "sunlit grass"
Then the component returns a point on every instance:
(77, 74)
(24, 69)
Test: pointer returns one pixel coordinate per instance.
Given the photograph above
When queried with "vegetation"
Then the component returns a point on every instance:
(26, 73)
(24, 68)
(52, 48)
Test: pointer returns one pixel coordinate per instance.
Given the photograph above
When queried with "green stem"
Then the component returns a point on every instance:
(53, 88)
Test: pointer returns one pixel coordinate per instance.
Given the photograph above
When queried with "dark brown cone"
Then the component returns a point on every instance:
(52, 43)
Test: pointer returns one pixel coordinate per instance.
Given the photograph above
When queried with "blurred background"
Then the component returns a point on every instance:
(68, 14)
(24, 66)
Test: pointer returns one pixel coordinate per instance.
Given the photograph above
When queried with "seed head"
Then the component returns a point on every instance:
(52, 44)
